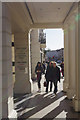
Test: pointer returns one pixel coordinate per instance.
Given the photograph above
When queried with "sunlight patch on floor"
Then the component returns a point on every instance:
(27, 110)
(47, 95)
(62, 115)
(48, 109)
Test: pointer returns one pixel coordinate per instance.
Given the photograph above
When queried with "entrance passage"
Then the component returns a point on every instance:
(45, 105)
(46, 45)
(42, 105)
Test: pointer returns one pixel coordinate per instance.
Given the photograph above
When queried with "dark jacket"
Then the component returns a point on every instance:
(43, 67)
(49, 73)
(40, 69)
(62, 66)
(56, 74)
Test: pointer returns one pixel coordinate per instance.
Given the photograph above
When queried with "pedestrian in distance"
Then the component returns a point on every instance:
(48, 76)
(44, 67)
(62, 68)
(39, 71)
(55, 77)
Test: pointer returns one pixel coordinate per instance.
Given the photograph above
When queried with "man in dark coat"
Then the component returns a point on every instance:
(48, 76)
(39, 71)
(55, 77)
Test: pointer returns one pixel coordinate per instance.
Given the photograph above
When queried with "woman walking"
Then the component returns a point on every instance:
(39, 71)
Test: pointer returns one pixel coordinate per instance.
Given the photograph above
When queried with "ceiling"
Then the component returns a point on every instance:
(49, 12)
(37, 14)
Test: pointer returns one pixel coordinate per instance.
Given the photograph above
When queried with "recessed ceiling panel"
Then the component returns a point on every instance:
(49, 12)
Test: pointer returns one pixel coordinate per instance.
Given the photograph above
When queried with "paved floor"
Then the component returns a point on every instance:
(43, 106)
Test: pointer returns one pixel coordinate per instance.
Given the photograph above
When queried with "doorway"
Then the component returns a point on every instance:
(46, 45)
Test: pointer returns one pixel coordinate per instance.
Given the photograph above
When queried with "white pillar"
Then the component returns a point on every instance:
(22, 79)
(72, 58)
(6, 60)
(76, 100)
(35, 50)
(66, 58)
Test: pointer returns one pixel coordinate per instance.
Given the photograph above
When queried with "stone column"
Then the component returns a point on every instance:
(6, 63)
(66, 58)
(35, 50)
(22, 79)
(72, 57)
(76, 99)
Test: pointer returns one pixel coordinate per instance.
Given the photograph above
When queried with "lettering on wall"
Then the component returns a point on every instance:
(21, 58)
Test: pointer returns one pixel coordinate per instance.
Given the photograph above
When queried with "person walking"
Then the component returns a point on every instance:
(55, 77)
(39, 71)
(62, 68)
(44, 67)
(48, 76)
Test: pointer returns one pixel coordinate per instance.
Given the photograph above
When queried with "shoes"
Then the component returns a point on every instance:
(39, 90)
(46, 91)
(55, 93)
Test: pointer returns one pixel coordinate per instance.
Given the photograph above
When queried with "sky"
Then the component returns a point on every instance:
(54, 39)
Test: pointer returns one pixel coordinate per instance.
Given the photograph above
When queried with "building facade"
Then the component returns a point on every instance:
(15, 19)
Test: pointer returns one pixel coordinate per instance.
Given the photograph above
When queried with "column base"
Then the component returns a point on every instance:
(29, 87)
(13, 114)
(76, 104)
(65, 86)
(70, 93)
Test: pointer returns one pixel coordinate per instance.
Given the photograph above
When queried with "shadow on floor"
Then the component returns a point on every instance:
(19, 97)
(38, 102)
(66, 106)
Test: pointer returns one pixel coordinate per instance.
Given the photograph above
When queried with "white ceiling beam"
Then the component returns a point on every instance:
(47, 25)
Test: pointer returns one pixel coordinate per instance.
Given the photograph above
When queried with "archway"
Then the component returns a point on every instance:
(38, 45)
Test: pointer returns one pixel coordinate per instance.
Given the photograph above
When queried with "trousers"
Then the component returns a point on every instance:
(51, 83)
(48, 86)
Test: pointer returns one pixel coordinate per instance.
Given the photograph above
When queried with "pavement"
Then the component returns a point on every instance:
(45, 106)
